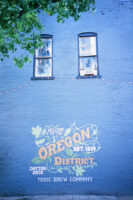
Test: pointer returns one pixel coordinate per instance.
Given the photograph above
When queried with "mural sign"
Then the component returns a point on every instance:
(70, 150)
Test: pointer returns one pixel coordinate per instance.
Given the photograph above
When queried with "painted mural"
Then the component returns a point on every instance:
(69, 149)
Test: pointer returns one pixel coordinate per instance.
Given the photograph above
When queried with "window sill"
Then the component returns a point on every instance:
(42, 78)
(89, 76)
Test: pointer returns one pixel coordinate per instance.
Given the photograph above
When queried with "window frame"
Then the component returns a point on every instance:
(43, 36)
(88, 34)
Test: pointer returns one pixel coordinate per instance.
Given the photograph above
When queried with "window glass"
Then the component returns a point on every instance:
(43, 60)
(87, 46)
(46, 49)
(43, 68)
(88, 66)
(88, 58)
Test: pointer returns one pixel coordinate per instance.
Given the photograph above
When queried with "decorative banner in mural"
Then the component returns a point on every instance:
(68, 150)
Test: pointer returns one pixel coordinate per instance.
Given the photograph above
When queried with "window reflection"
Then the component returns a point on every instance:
(87, 46)
(43, 67)
(88, 55)
(88, 66)
(46, 49)
(43, 58)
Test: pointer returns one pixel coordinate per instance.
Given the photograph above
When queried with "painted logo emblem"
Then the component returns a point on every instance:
(66, 149)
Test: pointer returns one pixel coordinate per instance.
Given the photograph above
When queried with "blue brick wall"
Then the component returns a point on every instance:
(106, 103)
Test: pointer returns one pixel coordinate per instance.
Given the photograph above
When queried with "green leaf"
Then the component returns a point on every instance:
(69, 152)
(67, 131)
(79, 170)
(37, 131)
(37, 160)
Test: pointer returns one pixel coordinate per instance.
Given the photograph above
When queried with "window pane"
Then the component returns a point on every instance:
(88, 66)
(87, 46)
(43, 67)
(46, 49)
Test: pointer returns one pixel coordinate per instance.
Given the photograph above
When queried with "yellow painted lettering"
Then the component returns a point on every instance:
(59, 144)
(51, 149)
(87, 134)
(77, 161)
(57, 161)
(76, 138)
(68, 142)
(91, 160)
(86, 161)
(42, 153)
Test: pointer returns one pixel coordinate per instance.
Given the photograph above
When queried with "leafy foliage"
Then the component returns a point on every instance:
(20, 25)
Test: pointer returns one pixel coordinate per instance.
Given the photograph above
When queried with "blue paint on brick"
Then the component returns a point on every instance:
(107, 104)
